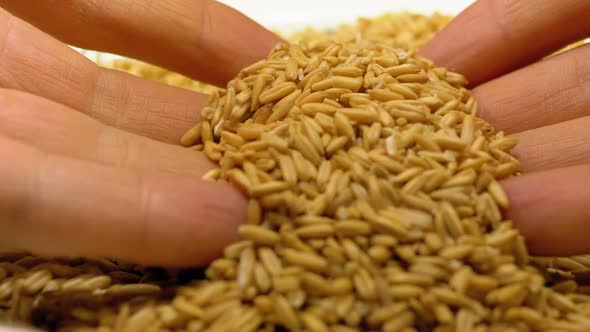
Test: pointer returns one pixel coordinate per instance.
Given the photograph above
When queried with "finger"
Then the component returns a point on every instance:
(493, 37)
(550, 209)
(553, 90)
(203, 39)
(37, 63)
(58, 206)
(559, 145)
(58, 129)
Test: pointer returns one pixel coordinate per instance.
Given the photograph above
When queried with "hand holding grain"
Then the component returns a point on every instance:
(90, 164)
(545, 104)
(88, 167)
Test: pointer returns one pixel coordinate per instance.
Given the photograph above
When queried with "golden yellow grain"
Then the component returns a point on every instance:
(374, 205)
(258, 234)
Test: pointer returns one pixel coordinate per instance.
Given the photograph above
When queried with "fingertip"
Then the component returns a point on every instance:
(224, 209)
(548, 208)
(523, 212)
(209, 222)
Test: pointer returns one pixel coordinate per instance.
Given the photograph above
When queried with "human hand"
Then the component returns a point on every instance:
(90, 164)
(544, 104)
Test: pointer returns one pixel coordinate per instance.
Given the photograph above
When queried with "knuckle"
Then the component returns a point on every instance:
(507, 15)
(144, 232)
(113, 147)
(204, 21)
(582, 69)
(22, 187)
(8, 22)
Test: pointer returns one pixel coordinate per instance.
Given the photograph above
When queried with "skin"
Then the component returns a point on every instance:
(92, 156)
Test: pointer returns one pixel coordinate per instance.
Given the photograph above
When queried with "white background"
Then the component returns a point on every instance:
(296, 14)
